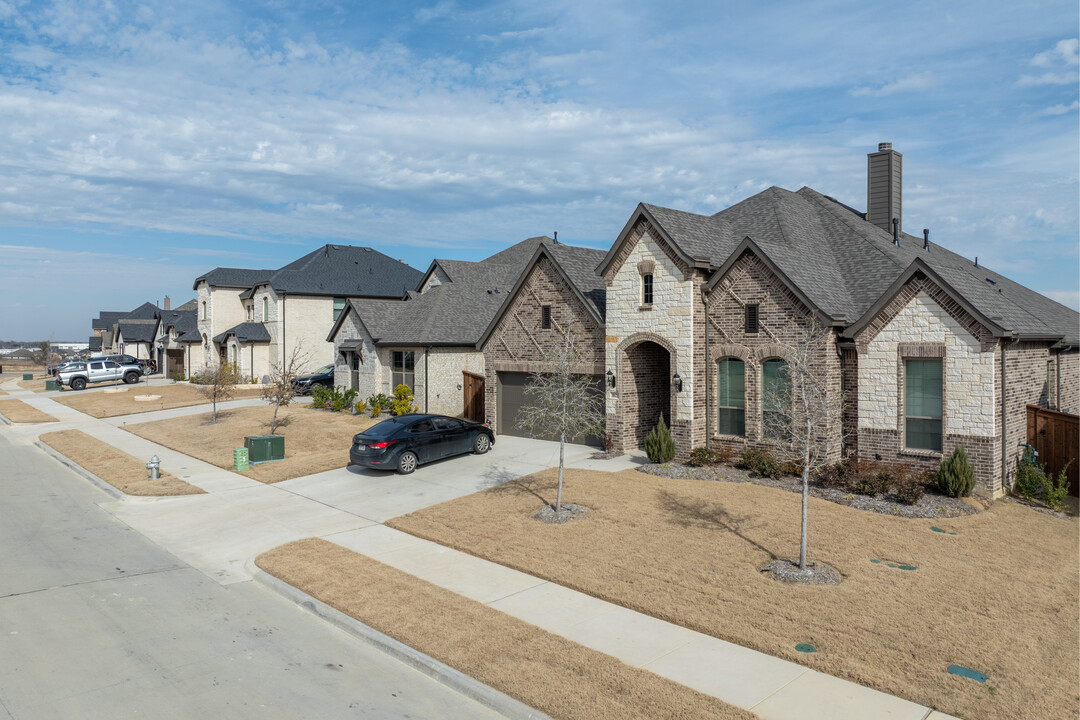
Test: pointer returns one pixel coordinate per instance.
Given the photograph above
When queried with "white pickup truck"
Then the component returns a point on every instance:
(98, 371)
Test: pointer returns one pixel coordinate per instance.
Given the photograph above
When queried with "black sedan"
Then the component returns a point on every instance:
(322, 376)
(403, 442)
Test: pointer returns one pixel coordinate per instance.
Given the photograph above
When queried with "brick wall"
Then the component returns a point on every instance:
(782, 320)
(1025, 384)
(1068, 382)
(518, 343)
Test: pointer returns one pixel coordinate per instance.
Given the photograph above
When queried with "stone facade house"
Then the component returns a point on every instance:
(258, 318)
(445, 340)
(179, 345)
(930, 350)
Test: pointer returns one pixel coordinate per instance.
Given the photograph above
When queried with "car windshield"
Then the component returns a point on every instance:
(323, 370)
(384, 429)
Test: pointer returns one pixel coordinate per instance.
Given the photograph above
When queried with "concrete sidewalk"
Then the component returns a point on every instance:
(238, 518)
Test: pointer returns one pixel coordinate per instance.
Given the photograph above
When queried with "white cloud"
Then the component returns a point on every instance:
(909, 83)
(1065, 52)
(1051, 78)
(1060, 109)
(440, 10)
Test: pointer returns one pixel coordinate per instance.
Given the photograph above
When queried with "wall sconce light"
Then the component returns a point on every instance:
(677, 382)
(611, 378)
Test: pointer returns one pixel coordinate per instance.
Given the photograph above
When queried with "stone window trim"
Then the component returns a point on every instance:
(646, 267)
(915, 351)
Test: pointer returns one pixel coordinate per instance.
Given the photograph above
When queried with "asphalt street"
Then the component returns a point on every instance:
(96, 621)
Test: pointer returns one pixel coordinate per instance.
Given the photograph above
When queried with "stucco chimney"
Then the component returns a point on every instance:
(884, 174)
(167, 303)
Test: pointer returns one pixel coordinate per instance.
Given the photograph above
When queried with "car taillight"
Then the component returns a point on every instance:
(382, 445)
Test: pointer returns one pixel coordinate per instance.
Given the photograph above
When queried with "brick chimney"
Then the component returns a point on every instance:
(167, 303)
(884, 174)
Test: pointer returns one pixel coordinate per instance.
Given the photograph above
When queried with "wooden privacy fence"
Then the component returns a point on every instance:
(1056, 437)
(473, 389)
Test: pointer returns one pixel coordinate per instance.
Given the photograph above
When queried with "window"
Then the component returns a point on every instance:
(775, 396)
(545, 317)
(204, 310)
(423, 426)
(646, 289)
(402, 369)
(751, 320)
(731, 397)
(339, 306)
(251, 313)
(922, 403)
(266, 309)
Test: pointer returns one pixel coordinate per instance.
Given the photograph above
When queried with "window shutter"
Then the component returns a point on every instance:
(545, 317)
(751, 325)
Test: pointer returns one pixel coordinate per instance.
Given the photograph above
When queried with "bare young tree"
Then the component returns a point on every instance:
(563, 402)
(281, 388)
(802, 415)
(218, 384)
(43, 354)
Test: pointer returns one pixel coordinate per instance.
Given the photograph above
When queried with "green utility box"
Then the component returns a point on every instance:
(28, 376)
(52, 385)
(240, 458)
(265, 448)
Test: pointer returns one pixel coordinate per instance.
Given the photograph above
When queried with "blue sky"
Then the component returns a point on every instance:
(144, 143)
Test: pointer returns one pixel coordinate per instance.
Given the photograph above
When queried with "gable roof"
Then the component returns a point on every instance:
(232, 277)
(245, 333)
(843, 264)
(138, 331)
(345, 271)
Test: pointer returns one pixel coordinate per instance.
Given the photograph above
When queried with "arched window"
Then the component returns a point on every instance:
(775, 397)
(266, 309)
(731, 397)
(204, 310)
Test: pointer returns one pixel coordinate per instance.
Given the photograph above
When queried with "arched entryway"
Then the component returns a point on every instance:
(646, 388)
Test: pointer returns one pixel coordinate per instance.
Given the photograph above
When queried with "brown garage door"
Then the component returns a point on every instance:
(511, 397)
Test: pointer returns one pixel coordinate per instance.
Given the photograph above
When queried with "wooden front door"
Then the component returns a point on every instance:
(473, 388)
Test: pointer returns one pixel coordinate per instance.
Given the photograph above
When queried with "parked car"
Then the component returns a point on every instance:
(98, 371)
(66, 365)
(322, 376)
(406, 441)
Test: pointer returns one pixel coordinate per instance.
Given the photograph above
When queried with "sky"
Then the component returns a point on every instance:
(145, 143)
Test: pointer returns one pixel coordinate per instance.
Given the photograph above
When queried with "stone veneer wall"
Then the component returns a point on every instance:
(518, 343)
(370, 371)
(923, 321)
(782, 320)
(669, 321)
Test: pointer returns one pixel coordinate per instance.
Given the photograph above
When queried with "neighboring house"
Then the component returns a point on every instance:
(179, 345)
(295, 306)
(930, 349)
(130, 332)
(433, 340)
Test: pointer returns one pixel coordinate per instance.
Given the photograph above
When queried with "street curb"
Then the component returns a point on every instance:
(63, 460)
(440, 672)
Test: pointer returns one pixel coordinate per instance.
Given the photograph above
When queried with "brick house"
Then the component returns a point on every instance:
(256, 318)
(930, 349)
(433, 339)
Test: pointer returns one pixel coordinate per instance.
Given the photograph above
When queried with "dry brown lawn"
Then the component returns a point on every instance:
(19, 412)
(126, 473)
(103, 404)
(542, 670)
(315, 440)
(1000, 597)
(37, 384)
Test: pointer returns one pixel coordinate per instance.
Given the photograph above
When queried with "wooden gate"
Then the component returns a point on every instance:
(1056, 437)
(473, 387)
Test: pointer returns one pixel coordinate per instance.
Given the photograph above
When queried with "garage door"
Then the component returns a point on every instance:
(511, 397)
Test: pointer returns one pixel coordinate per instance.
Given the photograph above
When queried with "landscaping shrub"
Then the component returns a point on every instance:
(379, 402)
(658, 443)
(1056, 490)
(341, 399)
(722, 454)
(360, 407)
(321, 396)
(701, 457)
(910, 485)
(1030, 478)
(872, 480)
(955, 476)
(760, 461)
(838, 475)
(178, 377)
(402, 402)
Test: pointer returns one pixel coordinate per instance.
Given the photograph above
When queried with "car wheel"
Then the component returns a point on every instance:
(407, 462)
(132, 377)
(482, 444)
(78, 384)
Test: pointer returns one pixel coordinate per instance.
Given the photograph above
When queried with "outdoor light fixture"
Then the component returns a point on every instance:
(611, 378)
(154, 466)
(677, 382)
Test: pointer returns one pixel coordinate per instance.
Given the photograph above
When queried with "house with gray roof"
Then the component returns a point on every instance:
(179, 345)
(259, 318)
(435, 340)
(929, 350)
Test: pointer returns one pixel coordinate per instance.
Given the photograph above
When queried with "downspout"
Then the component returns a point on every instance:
(427, 377)
(708, 382)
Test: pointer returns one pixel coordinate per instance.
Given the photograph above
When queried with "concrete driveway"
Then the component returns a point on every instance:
(239, 517)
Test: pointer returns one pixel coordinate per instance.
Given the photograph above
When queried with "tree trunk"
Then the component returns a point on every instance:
(558, 493)
(805, 493)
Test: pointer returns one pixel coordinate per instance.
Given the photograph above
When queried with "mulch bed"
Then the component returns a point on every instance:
(931, 505)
